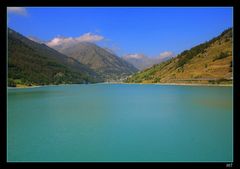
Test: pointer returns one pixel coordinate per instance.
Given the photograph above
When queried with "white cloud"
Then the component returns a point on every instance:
(166, 54)
(161, 56)
(17, 10)
(134, 56)
(60, 40)
(87, 37)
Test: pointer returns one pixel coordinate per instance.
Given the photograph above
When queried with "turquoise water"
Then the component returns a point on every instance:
(120, 122)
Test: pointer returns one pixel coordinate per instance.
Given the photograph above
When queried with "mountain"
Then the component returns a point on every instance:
(109, 66)
(32, 63)
(142, 62)
(209, 62)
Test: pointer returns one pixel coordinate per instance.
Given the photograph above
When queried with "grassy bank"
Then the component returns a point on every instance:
(182, 84)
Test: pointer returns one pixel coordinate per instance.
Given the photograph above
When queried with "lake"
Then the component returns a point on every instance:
(120, 122)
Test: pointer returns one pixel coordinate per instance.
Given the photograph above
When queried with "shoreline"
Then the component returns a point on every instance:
(165, 84)
(23, 87)
(184, 84)
(33, 86)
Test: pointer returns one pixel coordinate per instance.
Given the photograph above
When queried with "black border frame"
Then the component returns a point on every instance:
(91, 3)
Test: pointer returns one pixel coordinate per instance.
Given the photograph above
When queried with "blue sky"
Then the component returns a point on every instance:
(148, 31)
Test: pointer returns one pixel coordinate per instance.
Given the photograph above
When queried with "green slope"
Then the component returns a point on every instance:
(209, 62)
(31, 63)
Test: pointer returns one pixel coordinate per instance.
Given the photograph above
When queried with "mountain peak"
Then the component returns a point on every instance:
(107, 64)
(33, 63)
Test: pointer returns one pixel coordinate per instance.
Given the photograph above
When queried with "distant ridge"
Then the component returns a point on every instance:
(142, 62)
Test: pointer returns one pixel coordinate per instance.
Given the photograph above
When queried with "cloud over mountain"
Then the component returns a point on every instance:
(87, 37)
(134, 56)
(166, 54)
(141, 61)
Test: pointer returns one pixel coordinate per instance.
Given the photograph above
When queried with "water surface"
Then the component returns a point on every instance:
(120, 122)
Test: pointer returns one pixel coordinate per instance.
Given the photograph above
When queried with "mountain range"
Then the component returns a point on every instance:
(141, 62)
(209, 62)
(108, 66)
(32, 62)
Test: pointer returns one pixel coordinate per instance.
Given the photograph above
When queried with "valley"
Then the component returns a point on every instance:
(31, 63)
